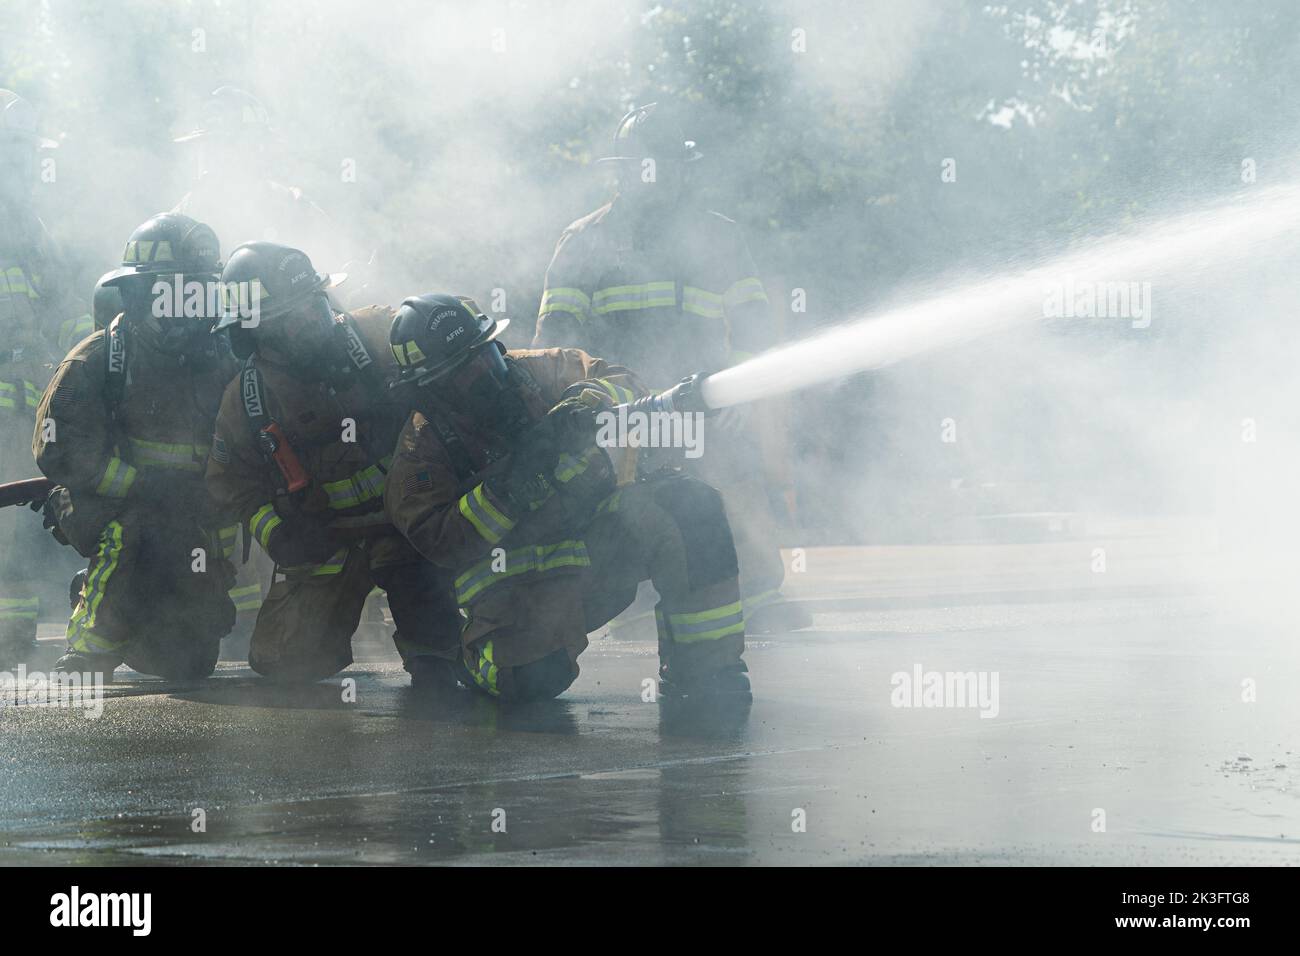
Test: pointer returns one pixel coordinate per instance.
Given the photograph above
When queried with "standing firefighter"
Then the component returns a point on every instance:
(37, 313)
(124, 428)
(302, 447)
(668, 288)
(498, 479)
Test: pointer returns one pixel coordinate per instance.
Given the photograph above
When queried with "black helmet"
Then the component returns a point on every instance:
(184, 257)
(166, 244)
(435, 334)
(650, 132)
(275, 277)
(231, 112)
(106, 303)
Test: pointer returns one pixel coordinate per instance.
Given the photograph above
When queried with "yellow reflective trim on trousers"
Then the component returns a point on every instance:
(702, 302)
(7, 391)
(540, 559)
(263, 522)
(691, 626)
(81, 636)
(648, 295)
(365, 485)
(117, 479)
(485, 674)
(752, 602)
(179, 456)
(247, 597)
(564, 299)
(749, 289)
(19, 609)
(489, 522)
(33, 394)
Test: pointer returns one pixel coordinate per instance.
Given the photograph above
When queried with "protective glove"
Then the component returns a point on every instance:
(49, 514)
(291, 545)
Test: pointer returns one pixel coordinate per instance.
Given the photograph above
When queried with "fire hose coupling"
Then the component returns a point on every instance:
(686, 397)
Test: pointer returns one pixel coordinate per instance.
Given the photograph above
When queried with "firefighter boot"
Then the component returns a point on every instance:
(81, 662)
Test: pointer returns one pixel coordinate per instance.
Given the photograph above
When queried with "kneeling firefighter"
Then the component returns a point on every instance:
(302, 447)
(123, 428)
(497, 477)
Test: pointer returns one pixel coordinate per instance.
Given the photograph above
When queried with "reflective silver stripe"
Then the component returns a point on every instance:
(749, 289)
(263, 522)
(518, 561)
(702, 302)
(570, 300)
(117, 479)
(179, 456)
(648, 295)
(365, 485)
(490, 523)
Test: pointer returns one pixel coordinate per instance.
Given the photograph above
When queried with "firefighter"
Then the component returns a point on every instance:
(654, 281)
(497, 478)
(302, 446)
(124, 428)
(236, 189)
(37, 315)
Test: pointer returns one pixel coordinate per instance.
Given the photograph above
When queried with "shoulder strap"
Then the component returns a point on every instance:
(115, 365)
(252, 391)
(456, 450)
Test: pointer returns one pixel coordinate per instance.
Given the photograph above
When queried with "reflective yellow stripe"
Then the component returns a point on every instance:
(19, 609)
(701, 302)
(408, 353)
(33, 394)
(183, 456)
(485, 674)
(573, 301)
(16, 283)
(648, 295)
(263, 522)
(365, 485)
(710, 625)
(618, 393)
(479, 511)
(117, 479)
(248, 597)
(72, 331)
(569, 467)
(745, 290)
(228, 537)
(81, 636)
(534, 559)
(333, 566)
(752, 602)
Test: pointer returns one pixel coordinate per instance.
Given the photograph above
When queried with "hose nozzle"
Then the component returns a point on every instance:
(685, 397)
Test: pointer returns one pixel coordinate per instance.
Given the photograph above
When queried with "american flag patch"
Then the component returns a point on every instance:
(420, 481)
(67, 397)
(220, 451)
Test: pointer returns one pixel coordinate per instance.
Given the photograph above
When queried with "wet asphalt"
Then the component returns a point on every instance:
(1134, 725)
